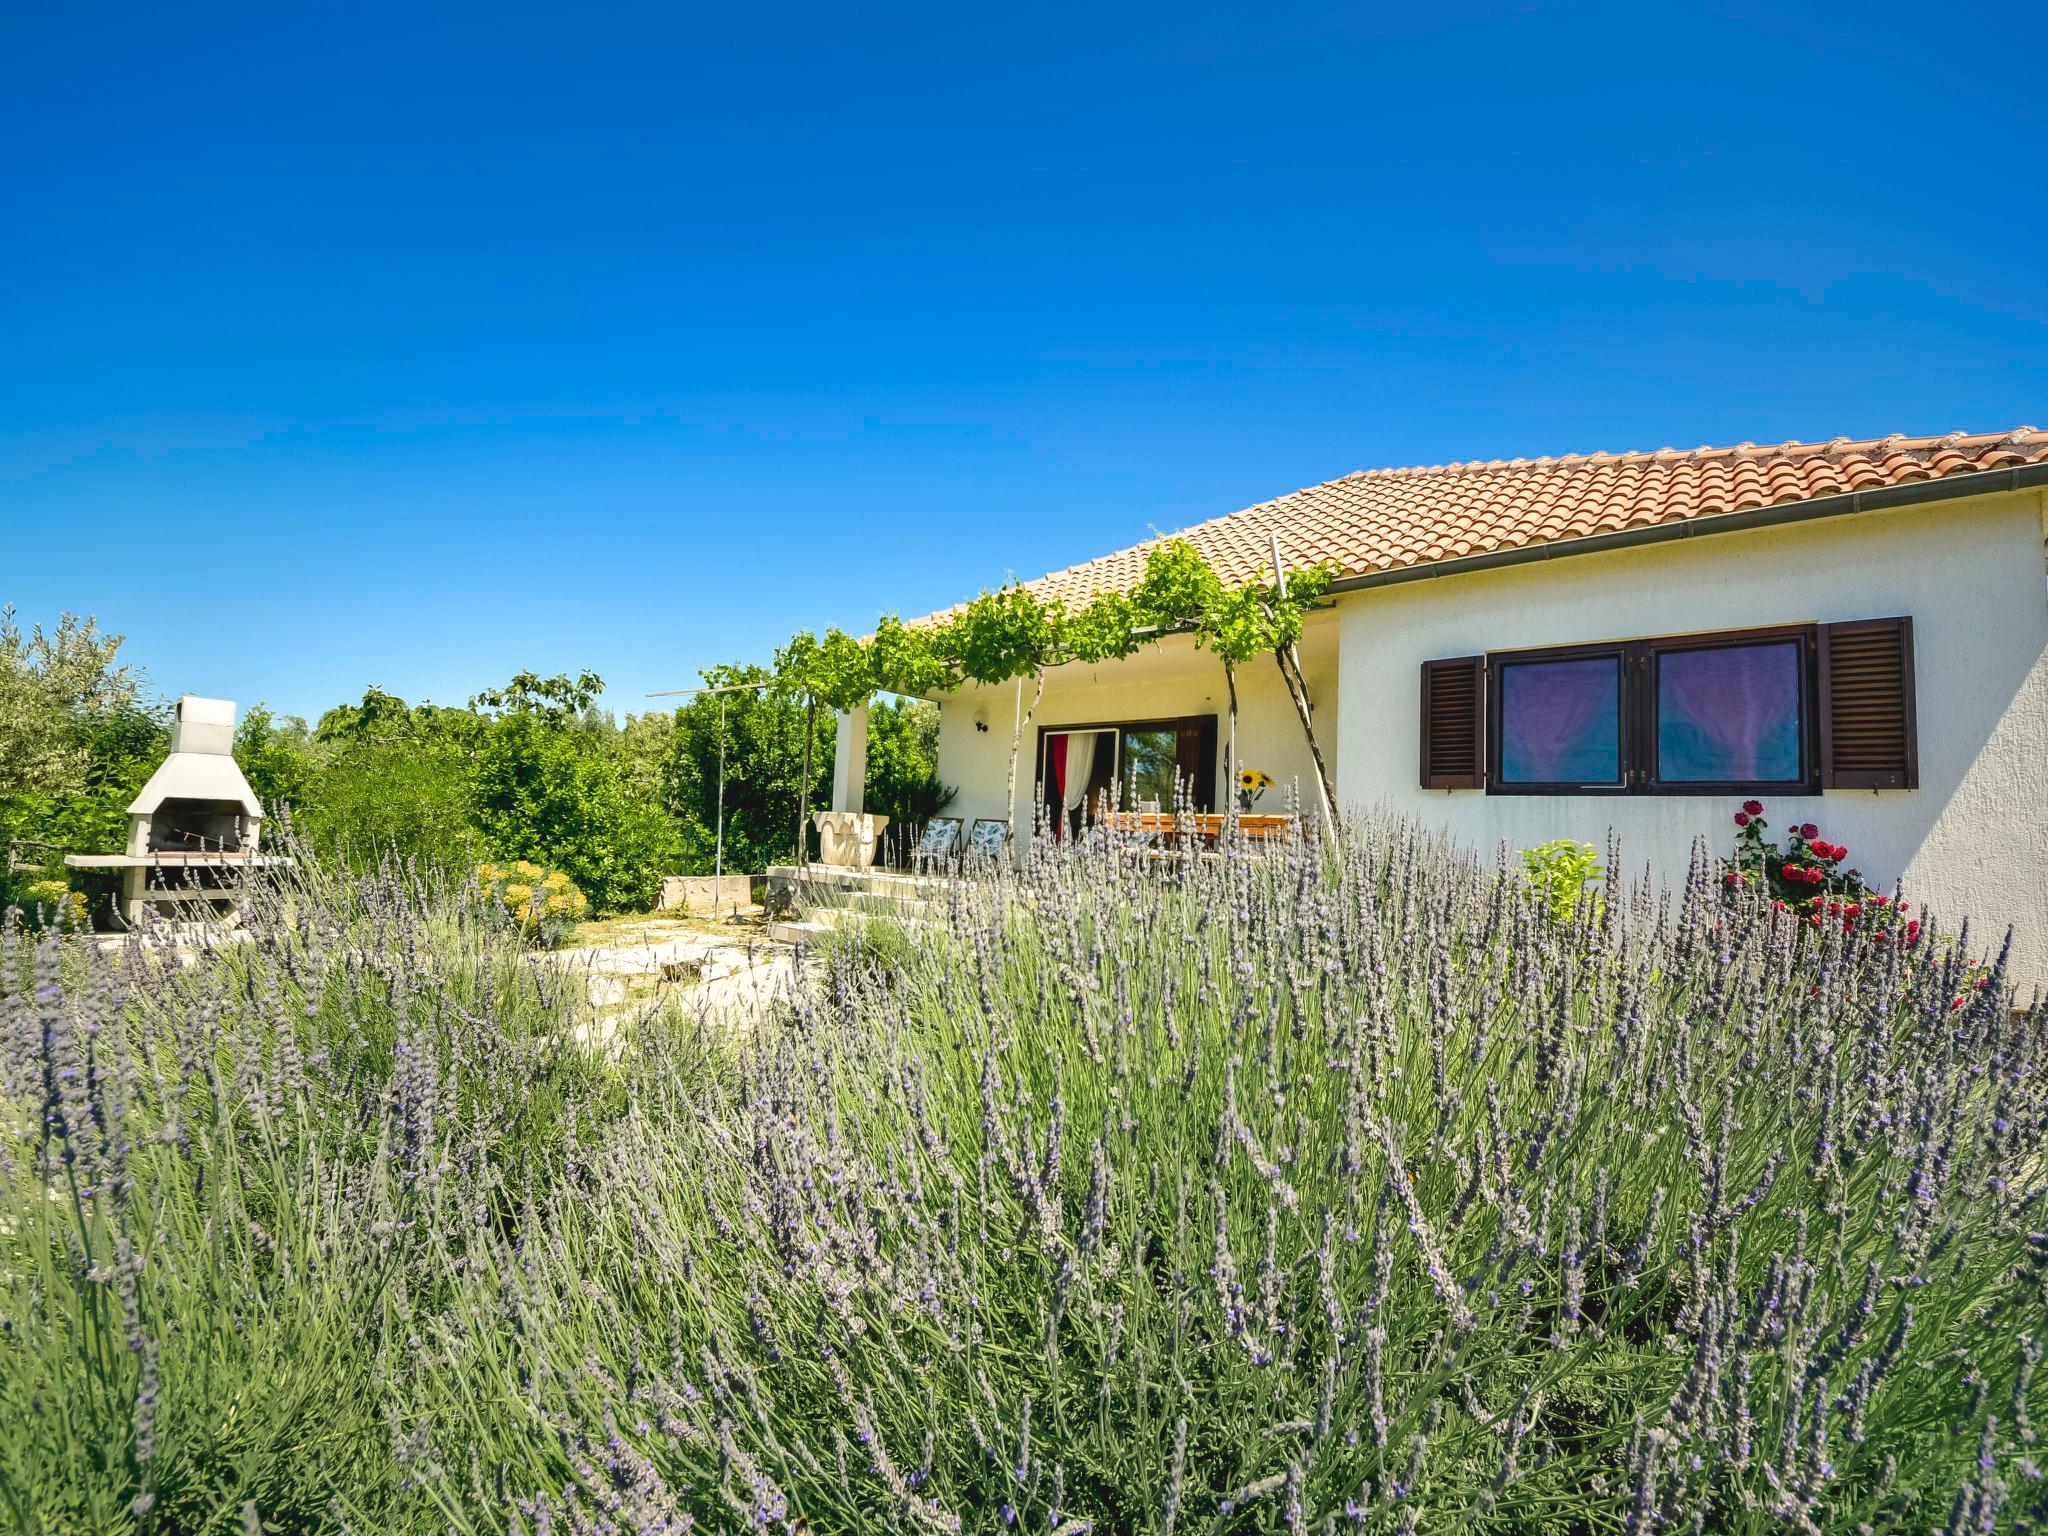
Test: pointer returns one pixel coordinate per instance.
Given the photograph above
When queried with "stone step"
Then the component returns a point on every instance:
(867, 903)
(823, 920)
(879, 882)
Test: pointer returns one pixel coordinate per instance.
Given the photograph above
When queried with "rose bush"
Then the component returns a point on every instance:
(1809, 877)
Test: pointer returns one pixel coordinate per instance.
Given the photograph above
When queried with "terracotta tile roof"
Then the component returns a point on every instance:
(1384, 519)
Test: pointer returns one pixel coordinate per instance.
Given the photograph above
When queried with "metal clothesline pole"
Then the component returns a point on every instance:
(718, 859)
(718, 864)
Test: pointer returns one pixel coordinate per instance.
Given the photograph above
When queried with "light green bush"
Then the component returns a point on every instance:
(1562, 873)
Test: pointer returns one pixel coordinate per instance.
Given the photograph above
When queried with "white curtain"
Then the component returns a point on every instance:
(1080, 767)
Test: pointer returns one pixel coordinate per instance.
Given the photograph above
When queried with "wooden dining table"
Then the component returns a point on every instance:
(1205, 826)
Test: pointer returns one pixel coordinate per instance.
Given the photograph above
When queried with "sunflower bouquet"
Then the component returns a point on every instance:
(1251, 784)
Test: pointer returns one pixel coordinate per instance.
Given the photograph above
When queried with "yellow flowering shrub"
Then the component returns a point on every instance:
(55, 904)
(535, 898)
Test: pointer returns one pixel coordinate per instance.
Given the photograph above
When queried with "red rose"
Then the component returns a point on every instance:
(1959, 1002)
(1731, 878)
(1809, 831)
(1754, 807)
(1821, 851)
(1742, 818)
(1912, 930)
(1854, 909)
(1779, 905)
(1880, 901)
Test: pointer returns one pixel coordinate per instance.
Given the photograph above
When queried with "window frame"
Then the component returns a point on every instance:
(1206, 725)
(1496, 700)
(1638, 662)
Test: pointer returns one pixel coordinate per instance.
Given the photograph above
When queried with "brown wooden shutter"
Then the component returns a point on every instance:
(1867, 733)
(1453, 730)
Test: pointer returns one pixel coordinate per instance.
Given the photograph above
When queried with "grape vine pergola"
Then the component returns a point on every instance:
(1012, 634)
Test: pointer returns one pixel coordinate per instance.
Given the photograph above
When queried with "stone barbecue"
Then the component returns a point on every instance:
(193, 832)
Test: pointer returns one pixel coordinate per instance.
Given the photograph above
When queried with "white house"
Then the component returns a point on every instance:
(1855, 632)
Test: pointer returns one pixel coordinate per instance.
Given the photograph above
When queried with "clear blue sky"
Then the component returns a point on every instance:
(414, 345)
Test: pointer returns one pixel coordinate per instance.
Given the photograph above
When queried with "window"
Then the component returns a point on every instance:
(1787, 710)
(1731, 714)
(1560, 722)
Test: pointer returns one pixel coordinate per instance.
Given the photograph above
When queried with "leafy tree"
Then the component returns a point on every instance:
(391, 779)
(560, 700)
(114, 753)
(764, 733)
(543, 789)
(384, 717)
(641, 744)
(76, 743)
(402, 796)
(50, 685)
(546, 787)
(903, 765)
(277, 757)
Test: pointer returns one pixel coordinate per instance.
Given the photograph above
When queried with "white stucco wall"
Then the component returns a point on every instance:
(1164, 681)
(1971, 840)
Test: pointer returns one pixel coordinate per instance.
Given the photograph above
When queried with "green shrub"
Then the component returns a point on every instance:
(546, 792)
(1561, 874)
(404, 799)
(763, 735)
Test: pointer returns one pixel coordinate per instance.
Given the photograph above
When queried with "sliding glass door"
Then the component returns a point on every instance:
(1142, 765)
(1151, 768)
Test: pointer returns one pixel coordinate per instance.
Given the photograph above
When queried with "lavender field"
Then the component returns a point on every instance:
(1281, 1193)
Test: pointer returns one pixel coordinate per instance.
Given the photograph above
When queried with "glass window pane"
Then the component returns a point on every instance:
(1150, 763)
(1729, 715)
(1560, 721)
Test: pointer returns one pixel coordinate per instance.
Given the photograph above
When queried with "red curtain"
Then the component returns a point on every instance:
(1056, 750)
